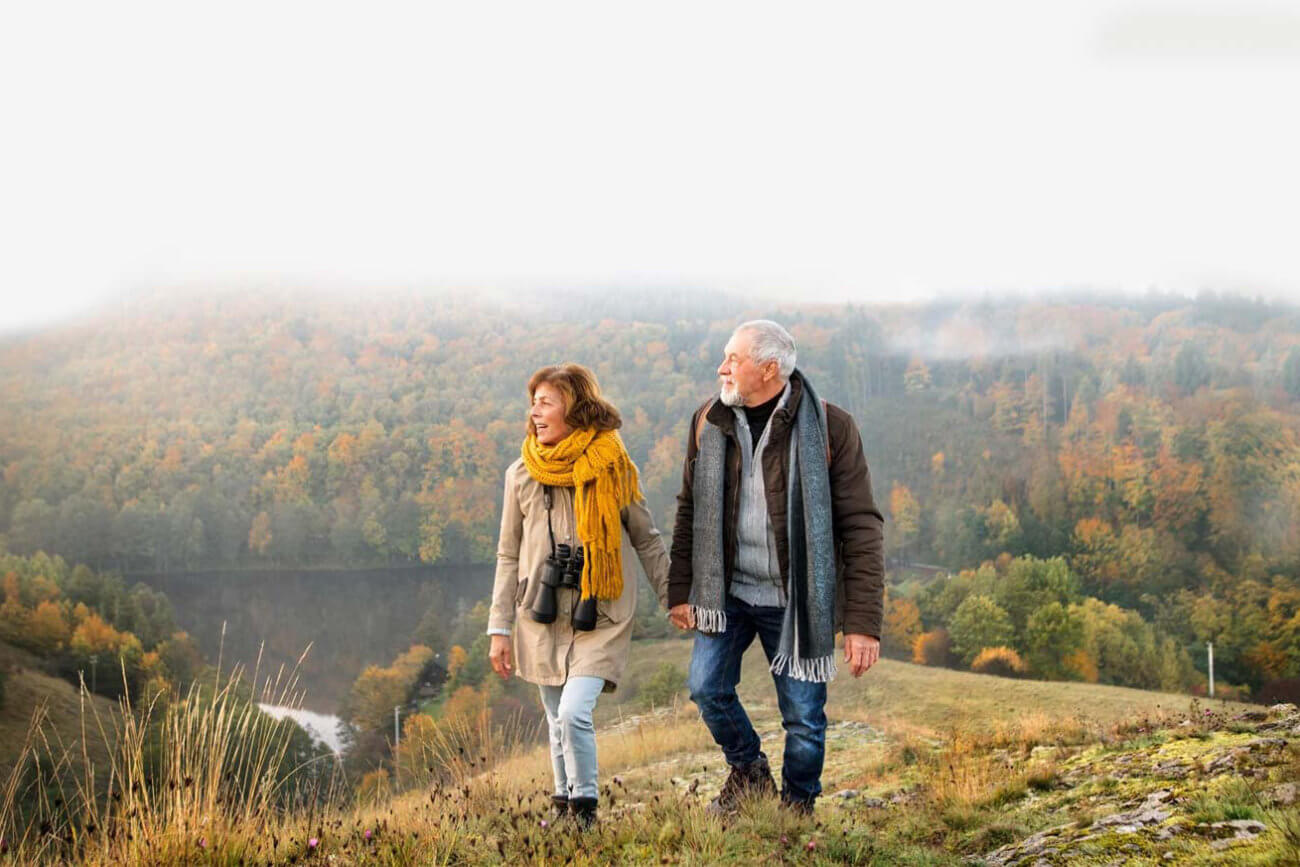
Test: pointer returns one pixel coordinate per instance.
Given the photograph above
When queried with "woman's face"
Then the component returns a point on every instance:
(547, 415)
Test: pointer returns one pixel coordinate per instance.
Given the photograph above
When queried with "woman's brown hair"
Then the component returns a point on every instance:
(583, 405)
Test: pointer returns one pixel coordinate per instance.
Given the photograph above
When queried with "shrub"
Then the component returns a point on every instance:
(1002, 661)
(1080, 664)
(932, 648)
(374, 788)
(662, 686)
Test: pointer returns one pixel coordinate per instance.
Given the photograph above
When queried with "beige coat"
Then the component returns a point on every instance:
(551, 653)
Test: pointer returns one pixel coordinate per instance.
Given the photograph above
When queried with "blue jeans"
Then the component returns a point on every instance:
(715, 671)
(572, 734)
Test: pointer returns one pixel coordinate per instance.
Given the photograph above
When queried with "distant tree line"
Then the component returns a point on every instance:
(1151, 443)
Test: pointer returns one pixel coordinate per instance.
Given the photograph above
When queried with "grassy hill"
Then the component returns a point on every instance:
(63, 735)
(925, 766)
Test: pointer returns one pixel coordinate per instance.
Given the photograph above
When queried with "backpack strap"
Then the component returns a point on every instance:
(703, 420)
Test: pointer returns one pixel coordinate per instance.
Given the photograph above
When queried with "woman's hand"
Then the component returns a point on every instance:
(499, 655)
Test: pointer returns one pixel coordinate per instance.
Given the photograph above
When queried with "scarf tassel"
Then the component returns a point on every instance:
(711, 620)
(819, 670)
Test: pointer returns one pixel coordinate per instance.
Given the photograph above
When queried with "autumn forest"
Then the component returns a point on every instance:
(1074, 487)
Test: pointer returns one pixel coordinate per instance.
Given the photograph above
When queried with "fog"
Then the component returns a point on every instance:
(879, 153)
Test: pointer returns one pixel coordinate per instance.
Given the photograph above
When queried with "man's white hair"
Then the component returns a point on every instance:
(770, 342)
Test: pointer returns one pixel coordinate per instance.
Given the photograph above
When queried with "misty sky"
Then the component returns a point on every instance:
(876, 151)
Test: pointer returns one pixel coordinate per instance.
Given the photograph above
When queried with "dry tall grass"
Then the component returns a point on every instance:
(182, 774)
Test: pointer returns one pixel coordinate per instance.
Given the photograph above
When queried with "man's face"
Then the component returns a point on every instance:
(740, 376)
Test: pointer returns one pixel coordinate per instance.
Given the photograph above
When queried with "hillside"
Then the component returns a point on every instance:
(28, 688)
(924, 766)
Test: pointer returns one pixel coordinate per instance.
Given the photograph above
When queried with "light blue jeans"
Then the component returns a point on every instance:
(573, 736)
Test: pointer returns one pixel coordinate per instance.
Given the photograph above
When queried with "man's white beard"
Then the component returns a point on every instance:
(730, 396)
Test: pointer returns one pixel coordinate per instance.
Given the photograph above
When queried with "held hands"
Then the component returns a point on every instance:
(861, 652)
(681, 616)
(499, 655)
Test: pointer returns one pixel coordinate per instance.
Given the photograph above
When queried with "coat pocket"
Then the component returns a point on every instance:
(620, 609)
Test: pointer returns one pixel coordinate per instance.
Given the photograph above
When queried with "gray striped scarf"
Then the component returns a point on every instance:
(807, 646)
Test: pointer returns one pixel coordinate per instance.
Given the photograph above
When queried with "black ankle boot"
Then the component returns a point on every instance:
(559, 806)
(584, 811)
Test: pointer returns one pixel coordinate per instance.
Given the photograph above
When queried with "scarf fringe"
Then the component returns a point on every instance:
(711, 620)
(819, 670)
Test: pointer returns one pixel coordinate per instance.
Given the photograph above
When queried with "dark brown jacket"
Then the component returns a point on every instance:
(859, 540)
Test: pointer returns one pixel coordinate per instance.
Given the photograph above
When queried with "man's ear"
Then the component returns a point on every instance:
(770, 370)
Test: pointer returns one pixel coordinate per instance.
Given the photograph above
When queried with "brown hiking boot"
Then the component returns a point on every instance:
(754, 778)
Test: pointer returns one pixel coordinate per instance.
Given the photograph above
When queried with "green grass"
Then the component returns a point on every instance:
(1235, 799)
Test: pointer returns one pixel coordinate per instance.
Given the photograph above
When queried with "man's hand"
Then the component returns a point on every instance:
(499, 655)
(861, 652)
(681, 616)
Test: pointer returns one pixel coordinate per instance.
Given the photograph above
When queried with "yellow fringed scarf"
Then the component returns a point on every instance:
(604, 481)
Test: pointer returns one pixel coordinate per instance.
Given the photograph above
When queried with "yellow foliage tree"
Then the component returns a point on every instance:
(456, 658)
(932, 648)
(906, 514)
(47, 628)
(902, 627)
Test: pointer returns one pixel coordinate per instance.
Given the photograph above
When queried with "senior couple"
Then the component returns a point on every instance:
(777, 536)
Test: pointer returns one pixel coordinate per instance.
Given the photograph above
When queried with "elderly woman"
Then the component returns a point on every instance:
(566, 586)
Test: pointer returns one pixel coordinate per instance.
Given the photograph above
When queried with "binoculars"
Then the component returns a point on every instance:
(563, 568)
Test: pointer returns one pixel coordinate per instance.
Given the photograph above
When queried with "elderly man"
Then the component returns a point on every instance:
(777, 535)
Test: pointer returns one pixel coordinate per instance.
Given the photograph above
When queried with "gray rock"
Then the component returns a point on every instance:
(1237, 829)
(1284, 794)
(1263, 744)
(1252, 716)
(846, 793)
(1134, 819)
(1227, 761)
(873, 803)
(1174, 769)
(1284, 708)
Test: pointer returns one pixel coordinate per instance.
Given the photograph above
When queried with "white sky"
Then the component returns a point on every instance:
(869, 150)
